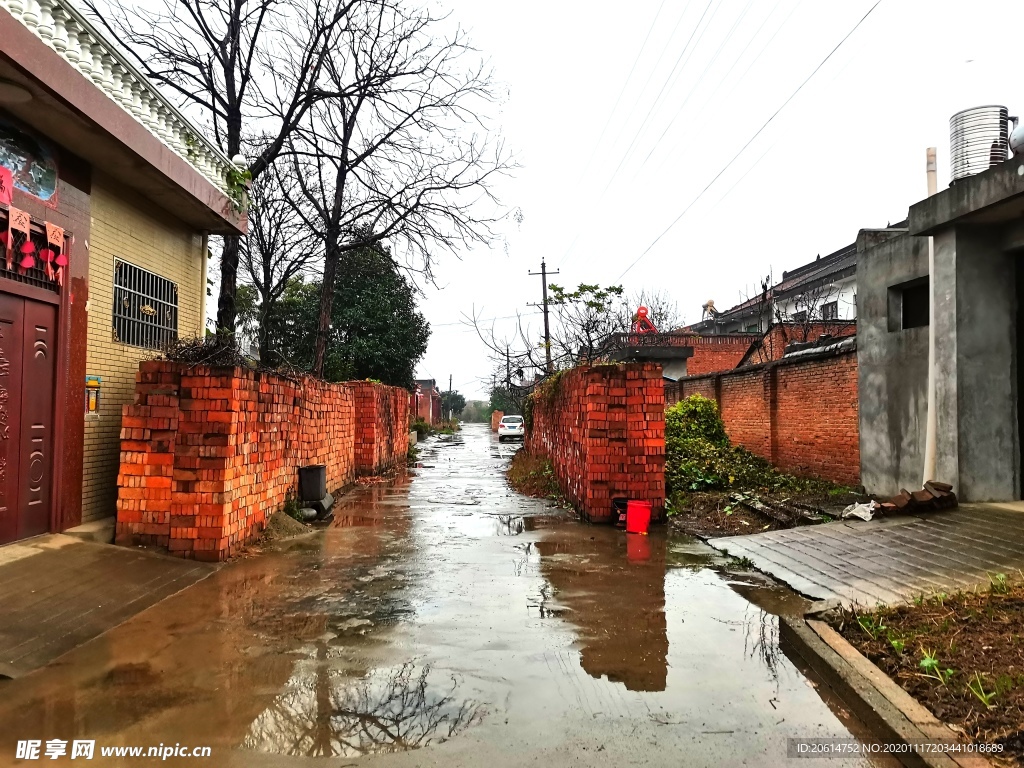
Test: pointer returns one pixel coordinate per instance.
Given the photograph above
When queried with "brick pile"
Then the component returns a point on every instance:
(799, 413)
(496, 417)
(207, 454)
(382, 429)
(603, 428)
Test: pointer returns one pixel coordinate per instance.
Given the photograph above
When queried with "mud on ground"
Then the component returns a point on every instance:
(980, 636)
(715, 514)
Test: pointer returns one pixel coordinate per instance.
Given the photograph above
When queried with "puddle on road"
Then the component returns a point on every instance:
(415, 620)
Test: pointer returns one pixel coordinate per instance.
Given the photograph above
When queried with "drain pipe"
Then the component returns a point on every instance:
(204, 262)
(931, 425)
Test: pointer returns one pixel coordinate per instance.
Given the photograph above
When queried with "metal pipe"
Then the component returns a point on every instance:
(931, 424)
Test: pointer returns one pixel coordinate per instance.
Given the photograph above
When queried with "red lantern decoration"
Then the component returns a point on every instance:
(27, 262)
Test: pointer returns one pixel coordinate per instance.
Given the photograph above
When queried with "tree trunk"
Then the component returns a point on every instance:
(323, 328)
(227, 311)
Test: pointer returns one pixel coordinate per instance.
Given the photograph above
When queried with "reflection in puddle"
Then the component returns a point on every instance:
(325, 714)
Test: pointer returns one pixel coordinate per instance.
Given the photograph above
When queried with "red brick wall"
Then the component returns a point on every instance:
(496, 416)
(744, 398)
(801, 414)
(817, 431)
(603, 428)
(382, 426)
(207, 454)
(717, 353)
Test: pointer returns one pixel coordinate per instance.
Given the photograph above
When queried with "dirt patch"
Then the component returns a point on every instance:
(714, 513)
(961, 655)
(532, 476)
(281, 526)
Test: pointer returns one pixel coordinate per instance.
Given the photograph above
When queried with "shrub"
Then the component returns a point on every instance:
(700, 458)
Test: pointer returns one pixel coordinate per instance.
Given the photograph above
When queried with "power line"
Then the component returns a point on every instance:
(654, 104)
(622, 91)
(751, 140)
(632, 109)
(700, 79)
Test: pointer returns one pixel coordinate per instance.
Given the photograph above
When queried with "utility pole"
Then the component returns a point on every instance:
(508, 371)
(547, 329)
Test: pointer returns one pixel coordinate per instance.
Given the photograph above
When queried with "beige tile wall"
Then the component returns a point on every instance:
(127, 228)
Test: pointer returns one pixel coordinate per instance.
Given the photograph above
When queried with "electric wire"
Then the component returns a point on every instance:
(751, 140)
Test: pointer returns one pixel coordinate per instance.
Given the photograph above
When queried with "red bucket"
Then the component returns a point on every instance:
(638, 516)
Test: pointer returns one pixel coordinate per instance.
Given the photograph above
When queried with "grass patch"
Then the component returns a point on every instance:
(533, 476)
(961, 655)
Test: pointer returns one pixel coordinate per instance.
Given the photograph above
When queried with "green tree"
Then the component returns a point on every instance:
(453, 402)
(376, 331)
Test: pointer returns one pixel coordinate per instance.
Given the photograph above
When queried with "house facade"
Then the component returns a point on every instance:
(107, 198)
(821, 291)
(977, 226)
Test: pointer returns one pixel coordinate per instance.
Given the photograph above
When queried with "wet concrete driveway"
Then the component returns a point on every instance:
(445, 620)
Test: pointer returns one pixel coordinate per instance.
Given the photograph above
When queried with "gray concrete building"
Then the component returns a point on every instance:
(978, 226)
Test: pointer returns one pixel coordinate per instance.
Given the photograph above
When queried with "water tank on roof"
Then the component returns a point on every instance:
(978, 139)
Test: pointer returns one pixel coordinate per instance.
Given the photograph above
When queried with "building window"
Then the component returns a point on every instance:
(753, 328)
(908, 305)
(830, 310)
(800, 317)
(145, 307)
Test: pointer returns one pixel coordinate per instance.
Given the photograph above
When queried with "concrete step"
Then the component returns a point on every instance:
(98, 531)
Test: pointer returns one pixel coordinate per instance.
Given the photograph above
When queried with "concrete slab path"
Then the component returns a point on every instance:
(57, 592)
(890, 560)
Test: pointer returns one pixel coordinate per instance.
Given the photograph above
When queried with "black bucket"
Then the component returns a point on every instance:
(312, 482)
(619, 505)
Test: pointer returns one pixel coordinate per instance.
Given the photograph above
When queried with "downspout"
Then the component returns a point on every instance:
(931, 425)
(204, 259)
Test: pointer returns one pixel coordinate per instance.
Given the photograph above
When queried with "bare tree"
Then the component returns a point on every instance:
(278, 248)
(395, 147)
(248, 67)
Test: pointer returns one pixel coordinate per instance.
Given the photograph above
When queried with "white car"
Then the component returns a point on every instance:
(511, 427)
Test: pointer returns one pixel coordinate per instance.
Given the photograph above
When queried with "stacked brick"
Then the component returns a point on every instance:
(799, 413)
(207, 454)
(382, 428)
(603, 428)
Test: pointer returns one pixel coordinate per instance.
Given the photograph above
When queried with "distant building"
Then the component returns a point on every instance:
(821, 291)
(427, 401)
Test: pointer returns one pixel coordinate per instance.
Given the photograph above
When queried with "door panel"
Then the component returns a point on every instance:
(12, 332)
(40, 351)
(28, 351)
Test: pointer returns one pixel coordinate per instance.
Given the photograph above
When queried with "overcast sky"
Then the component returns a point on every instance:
(597, 186)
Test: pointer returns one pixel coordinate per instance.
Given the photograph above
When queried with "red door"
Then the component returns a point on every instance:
(28, 350)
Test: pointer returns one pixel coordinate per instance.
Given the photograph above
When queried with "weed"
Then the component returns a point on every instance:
(997, 584)
(898, 644)
(930, 664)
(872, 627)
(978, 689)
(291, 508)
(940, 599)
(745, 563)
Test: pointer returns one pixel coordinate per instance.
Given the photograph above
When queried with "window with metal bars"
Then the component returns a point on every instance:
(145, 307)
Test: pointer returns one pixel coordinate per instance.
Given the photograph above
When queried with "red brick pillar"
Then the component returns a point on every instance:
(148, 435)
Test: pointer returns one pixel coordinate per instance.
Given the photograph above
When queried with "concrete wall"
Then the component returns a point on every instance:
(893, 367)
(976, 333)
(129, 229)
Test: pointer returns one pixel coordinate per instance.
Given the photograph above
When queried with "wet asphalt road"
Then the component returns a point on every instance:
(445, 620)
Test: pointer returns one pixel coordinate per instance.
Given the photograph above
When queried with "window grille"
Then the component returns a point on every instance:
(145, 307)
